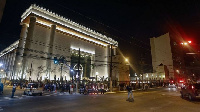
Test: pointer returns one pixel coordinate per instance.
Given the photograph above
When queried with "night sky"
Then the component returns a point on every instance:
(131, 23)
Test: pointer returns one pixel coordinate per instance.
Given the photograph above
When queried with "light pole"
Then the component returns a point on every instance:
(61, 62)
(128, 63)
(72, 75)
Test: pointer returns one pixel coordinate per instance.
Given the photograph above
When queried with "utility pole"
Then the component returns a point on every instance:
(142, 65)
(111, 69)
(78, 79)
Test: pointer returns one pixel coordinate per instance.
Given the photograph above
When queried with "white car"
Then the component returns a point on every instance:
(32, 89)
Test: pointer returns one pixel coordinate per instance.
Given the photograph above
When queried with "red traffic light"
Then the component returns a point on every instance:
(181, 81)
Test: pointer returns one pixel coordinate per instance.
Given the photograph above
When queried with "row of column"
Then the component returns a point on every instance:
(26, 37)
(7, 62)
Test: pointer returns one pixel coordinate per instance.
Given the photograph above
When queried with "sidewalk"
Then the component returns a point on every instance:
(7, 91)
(19, 92)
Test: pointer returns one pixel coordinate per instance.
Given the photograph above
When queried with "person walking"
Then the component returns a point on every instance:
(13, 91)
(130, 94)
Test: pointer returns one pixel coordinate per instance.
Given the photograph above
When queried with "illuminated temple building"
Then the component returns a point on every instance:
(46, 35)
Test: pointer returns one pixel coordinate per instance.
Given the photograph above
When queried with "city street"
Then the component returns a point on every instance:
(153, 100)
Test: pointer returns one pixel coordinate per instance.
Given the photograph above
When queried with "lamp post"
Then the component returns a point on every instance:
(72, 75)
(127, 63)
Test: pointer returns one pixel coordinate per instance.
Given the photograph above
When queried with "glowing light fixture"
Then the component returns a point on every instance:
(45, 13)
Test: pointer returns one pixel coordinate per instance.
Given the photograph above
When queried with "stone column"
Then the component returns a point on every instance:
(28, 43)
(6, 61)
(3, 61)
(50, 49)
(8, 65)
(13, 61)
(108, 59)
(20, 49)
(92, 74)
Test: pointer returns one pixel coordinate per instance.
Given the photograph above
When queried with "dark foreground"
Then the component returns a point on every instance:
(157, 100)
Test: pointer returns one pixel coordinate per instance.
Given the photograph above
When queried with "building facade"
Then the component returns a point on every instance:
(80, 51)
(174, 56)
(162, 60)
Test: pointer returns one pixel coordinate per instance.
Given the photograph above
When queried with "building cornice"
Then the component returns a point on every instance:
(51, 16)
(10, 48)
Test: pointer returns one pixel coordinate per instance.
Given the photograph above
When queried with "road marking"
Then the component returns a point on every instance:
(21, 98)
(7, 98)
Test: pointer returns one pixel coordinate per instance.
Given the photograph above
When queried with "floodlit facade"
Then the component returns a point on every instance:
(45, 35)
(161, 53)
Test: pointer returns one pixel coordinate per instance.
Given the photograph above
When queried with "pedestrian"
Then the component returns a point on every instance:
(68, 88)
(54, 87)
(146, 87)
(130, 94)
(71, 88)
(13, 90)
(102, 89)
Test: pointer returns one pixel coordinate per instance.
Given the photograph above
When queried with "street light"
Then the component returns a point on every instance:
(126, 59)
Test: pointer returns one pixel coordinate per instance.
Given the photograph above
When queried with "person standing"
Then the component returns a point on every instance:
(13, 90)
(71, 88)
(130, 94)
(102, 89)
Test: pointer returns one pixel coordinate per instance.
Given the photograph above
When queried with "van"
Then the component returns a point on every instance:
(33, 89)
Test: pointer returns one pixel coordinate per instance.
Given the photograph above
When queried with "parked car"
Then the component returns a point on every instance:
(33, 89)
(192, 91)
(172, 84)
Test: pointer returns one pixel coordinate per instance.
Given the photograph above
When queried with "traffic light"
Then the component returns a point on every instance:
(55, 60)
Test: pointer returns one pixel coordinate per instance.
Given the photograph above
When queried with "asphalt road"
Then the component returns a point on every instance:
(156, 100)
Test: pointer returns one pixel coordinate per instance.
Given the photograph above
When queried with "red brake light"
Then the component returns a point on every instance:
(172, 81)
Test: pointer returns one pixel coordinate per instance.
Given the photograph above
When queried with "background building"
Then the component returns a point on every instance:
(179, 58)
(162, 60)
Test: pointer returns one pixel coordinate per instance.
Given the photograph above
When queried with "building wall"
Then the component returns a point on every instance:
(161, 53)
(62, 46)
(46, 35)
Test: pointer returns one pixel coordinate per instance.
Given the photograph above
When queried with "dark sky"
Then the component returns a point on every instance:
(131, 23)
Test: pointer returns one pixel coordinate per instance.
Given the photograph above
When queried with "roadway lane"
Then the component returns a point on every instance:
(157, 100)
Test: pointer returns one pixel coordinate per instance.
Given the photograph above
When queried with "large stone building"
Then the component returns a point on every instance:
(45, 35)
